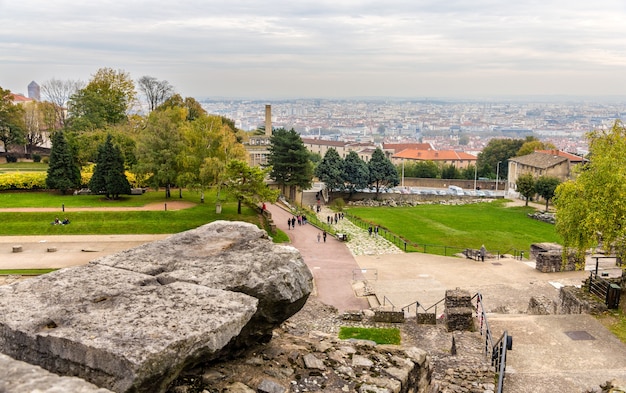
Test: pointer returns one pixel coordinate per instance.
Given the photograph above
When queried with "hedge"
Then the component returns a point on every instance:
(37, 180)
(23, 181)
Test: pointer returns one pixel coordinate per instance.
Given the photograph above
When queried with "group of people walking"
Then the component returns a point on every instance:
(300, 219)
(331, 219)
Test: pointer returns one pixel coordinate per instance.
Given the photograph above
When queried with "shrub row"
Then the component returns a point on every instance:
(37, 180)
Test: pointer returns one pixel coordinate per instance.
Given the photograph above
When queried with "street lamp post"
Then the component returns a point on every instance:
(497, 174)
(475, 174)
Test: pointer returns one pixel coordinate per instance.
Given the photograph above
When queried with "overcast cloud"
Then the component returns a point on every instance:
(342, 48)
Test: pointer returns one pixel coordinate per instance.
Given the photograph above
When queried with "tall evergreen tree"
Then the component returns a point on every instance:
(382, 172)
(63, 171)
(330, 170)
(355, 172)
(108, 175)
(289, 160)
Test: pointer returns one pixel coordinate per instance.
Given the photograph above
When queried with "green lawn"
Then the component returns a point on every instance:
(24, 167)
(501, 229)
(55, 199)
(113, 222)
(378, 335)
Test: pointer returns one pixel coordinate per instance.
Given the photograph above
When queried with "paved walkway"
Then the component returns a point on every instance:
(332, 264)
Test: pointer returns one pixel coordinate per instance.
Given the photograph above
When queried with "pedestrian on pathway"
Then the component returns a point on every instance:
(376, 231)
(482, 251)
(319, 236)
(324, 236)
(289, 223)
(369, 230)
(293, 222)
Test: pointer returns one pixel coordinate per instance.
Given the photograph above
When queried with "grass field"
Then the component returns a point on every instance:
(24, 167)
(498, 227)
(378, 335)
(106, 222)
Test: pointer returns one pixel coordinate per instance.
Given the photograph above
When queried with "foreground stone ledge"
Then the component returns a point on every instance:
(132, 321)
(115, 328)
(20, 377)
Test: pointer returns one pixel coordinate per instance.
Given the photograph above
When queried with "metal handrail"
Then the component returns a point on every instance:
(418, 305)
(483, 323)
(385, 300)
(498, 357)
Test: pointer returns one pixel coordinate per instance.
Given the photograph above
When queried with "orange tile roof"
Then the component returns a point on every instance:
(434, 155)
(18, 98)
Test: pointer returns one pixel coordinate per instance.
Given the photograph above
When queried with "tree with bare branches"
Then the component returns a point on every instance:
(156, 92)
(58, 92)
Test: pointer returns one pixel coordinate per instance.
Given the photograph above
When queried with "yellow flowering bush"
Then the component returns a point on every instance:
(23, 181)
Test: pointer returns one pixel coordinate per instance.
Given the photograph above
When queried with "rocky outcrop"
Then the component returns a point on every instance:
(318, 362)
(132, 321)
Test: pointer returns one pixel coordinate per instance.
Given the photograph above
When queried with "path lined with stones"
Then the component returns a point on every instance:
(360, 242)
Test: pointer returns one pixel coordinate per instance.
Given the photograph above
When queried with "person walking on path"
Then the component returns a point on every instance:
(319, 235)
(289, 223)
(324, 236)
(482, 252)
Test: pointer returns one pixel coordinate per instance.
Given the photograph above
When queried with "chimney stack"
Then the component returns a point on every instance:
(268, 120)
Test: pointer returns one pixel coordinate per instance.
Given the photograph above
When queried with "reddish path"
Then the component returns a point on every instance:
(332, 263)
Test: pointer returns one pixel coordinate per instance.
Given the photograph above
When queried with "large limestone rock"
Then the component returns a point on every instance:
(132, 321)
(20, 377)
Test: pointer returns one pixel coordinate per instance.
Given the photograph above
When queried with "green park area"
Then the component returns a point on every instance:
(502, 229)
(107, 218)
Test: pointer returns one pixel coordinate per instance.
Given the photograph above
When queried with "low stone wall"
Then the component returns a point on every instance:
(389, 316)
(459, 310)
(552, 261)
(574, 300)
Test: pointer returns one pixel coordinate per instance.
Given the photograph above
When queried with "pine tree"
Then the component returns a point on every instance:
(330, 171)
(63, 171)
(382, 172)
(108, 175)
(289, 160)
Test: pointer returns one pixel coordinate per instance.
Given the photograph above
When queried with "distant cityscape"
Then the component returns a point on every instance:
(447, 125)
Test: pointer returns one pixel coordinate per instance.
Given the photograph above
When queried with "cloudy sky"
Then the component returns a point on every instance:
(324, 48)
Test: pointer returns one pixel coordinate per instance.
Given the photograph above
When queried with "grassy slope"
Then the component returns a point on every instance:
(464, 226)
(113, 222)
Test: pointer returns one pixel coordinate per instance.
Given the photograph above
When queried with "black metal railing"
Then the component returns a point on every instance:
(418, 306)
(497, 350)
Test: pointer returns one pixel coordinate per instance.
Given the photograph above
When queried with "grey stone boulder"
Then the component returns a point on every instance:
(132, 321)
(20, 377)
(233, 256)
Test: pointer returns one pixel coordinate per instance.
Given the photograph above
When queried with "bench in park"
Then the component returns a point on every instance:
(471, 253)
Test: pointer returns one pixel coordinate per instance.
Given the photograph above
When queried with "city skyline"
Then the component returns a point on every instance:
(342, 49)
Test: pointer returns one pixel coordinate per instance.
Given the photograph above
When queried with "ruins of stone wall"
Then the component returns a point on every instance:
(552, 261)
(459, 310)
(321, 362)
(574, 300)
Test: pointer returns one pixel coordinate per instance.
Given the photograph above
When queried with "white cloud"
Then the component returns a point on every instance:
(331, 48)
